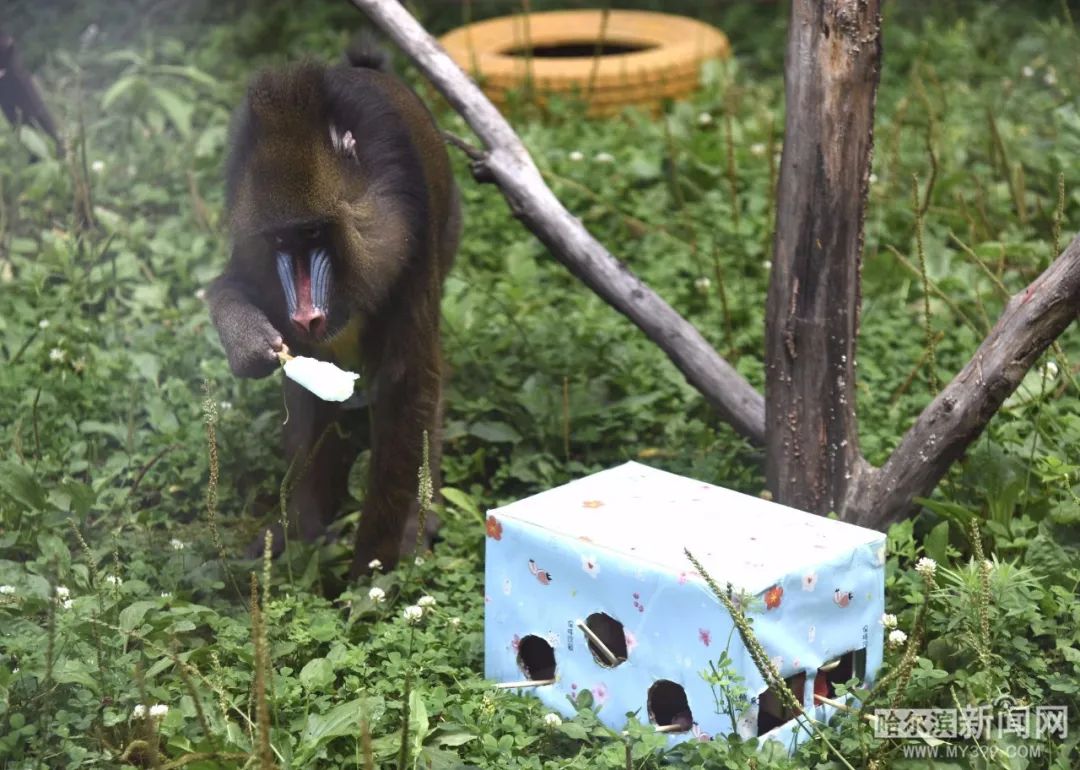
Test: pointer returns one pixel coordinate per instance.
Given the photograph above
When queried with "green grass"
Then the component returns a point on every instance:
(106, 347)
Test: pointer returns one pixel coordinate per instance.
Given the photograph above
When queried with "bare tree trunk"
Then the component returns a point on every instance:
(812, 317)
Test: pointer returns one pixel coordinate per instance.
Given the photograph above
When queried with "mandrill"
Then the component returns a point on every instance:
(344, 220)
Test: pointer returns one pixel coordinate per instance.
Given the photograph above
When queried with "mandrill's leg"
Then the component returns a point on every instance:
(320, 456)
(404, 408)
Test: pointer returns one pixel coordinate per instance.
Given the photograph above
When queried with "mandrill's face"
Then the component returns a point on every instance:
(302, 256)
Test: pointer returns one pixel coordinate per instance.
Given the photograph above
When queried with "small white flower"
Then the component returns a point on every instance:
(552, 720)
(97, 166)
(873, 179)
(7, 590)
(419, 561)
(1028, 71)
(757, 148)
(225, 405)
(576, 155)
(1050, 370)
(166, 594)
(604, 157)
(113, 580)
(159, 710)
(426, 601)
(67, 604)
(888, 620)
(324, 379)
(200, 294)
(767, 264)
(454, 621)
(177, 544)
(62, 592)
(374, 565)
(57, 354)
(897, 637)
(926, 566)
(377, 595)
(138, 712)
(809, 581)
(43, 324)
(1050, 78)
(988, 565)
(704, 119)
(413, 614)
(703, 284)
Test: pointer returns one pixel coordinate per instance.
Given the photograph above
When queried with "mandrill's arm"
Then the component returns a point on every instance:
(251, 342)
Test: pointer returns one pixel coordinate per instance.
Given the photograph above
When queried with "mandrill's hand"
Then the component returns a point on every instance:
(251, 343)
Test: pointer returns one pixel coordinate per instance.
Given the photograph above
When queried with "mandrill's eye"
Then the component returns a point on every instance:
(311, 232)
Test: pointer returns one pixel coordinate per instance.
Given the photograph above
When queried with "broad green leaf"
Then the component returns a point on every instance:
(132, 615)
(78, 671)
(461, 501)
(572, 729)
(418, 721)
(316, 674)
(20, 484)
(176, 107)
(118, 89)
(495, 432)
(147, 364)
(455, 739)
(193, 74)
(341, 720)
(34, 142)
(115, 430)
(937, 542)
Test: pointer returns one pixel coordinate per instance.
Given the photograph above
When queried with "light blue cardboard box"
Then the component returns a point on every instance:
(606, 553)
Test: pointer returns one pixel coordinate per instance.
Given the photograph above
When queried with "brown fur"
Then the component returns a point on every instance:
(393, 211)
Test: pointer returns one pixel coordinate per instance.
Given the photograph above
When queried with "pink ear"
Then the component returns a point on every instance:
(343, 143)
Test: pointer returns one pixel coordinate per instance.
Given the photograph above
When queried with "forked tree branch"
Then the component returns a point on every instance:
(875, 497)
(1031, 321)
(508, 164)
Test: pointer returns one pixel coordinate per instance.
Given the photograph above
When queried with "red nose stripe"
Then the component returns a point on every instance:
(303, 286)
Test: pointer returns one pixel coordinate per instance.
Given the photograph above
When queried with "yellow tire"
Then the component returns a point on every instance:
(649, 57)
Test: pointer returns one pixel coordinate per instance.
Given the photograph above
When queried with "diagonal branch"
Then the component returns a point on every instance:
(1031, 321)
(507, 163)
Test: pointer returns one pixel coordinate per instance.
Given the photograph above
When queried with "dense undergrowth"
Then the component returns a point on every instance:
(114, 397)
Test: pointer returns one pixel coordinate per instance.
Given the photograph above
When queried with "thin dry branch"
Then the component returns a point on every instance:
(507, 163)
(1030, 323)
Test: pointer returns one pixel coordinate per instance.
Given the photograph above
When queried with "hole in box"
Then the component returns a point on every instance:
(668, 706)
(838, 671)
(536, 658)
(773, 712)
(611, 634)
